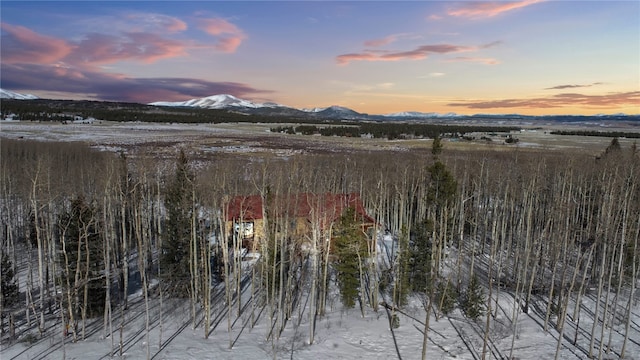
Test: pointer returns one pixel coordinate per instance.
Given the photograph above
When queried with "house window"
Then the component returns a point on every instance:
(244, 229)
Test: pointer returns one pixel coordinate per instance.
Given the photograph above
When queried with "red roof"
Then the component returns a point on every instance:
(327, 207)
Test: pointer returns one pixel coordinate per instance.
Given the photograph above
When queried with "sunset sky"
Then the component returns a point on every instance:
(529, 57)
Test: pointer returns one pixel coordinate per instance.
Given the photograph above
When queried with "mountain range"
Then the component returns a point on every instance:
(233, 103)
(230, 102)
(6, 94)
(242, 106)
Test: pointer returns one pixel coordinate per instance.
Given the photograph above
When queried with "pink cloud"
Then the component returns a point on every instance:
(559, 100)
(229, 35)
(228, 44)
(20, 44)
(487, 61)
(488, 9)
(34, 61)
(381, 42)
(219, 26)
(419, 53)
(97, 49)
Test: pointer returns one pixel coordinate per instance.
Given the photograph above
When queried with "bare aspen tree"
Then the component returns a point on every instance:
(634, 278)
(106, 252)
(35, 208)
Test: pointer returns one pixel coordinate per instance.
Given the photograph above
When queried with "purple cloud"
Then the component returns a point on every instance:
(572, 86)
(116, 87)
(421, 52)
(484, 9)
(33, 61)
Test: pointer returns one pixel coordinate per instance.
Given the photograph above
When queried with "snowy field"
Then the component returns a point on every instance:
(256, 139)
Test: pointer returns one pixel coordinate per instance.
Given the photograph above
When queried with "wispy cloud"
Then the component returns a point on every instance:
(385, 40)
(97, 49)
(572, 86)
(560, 100)
(487, 61)
(20, 45)
(151, 22)
(488, 9)
(229, 35)
(421, 52)
(381, 42)
(432, 75)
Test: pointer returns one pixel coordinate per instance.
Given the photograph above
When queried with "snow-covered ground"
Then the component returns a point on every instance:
(340, 334)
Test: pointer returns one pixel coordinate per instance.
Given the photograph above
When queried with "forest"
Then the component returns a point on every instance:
(82, 227)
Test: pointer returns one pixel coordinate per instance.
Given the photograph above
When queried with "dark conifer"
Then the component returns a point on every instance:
(178, 202)
(473, 300)
(350, 246)
(9, 286)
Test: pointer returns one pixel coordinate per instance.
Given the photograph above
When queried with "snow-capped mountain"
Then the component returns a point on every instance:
(6, 94)
(337, 112)
(223, 101)
(231, 102)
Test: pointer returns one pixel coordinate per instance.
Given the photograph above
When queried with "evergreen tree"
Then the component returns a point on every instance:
(9, 286)
(436, 146)
(350, 245)
(473, 300)
(420, 254)
(82, 255)
(178, 202)
(446, 297)
(443, 186)
(614, 147)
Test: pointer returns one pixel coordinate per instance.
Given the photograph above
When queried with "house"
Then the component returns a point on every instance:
(296, 215)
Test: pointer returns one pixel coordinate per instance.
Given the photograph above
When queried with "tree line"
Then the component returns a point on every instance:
(393, 130)
(611, 134)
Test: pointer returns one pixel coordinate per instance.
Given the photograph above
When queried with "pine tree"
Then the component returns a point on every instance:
(613, 148)
(446, 297)
(473, 300)
(9, 286)
(443, 186)
(350, 245)
(178, 202)
(436, 146)
(420, 255)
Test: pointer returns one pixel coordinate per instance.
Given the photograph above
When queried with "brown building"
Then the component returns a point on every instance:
(301, 214)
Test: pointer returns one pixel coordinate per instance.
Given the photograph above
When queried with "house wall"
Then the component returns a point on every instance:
(299, 231)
